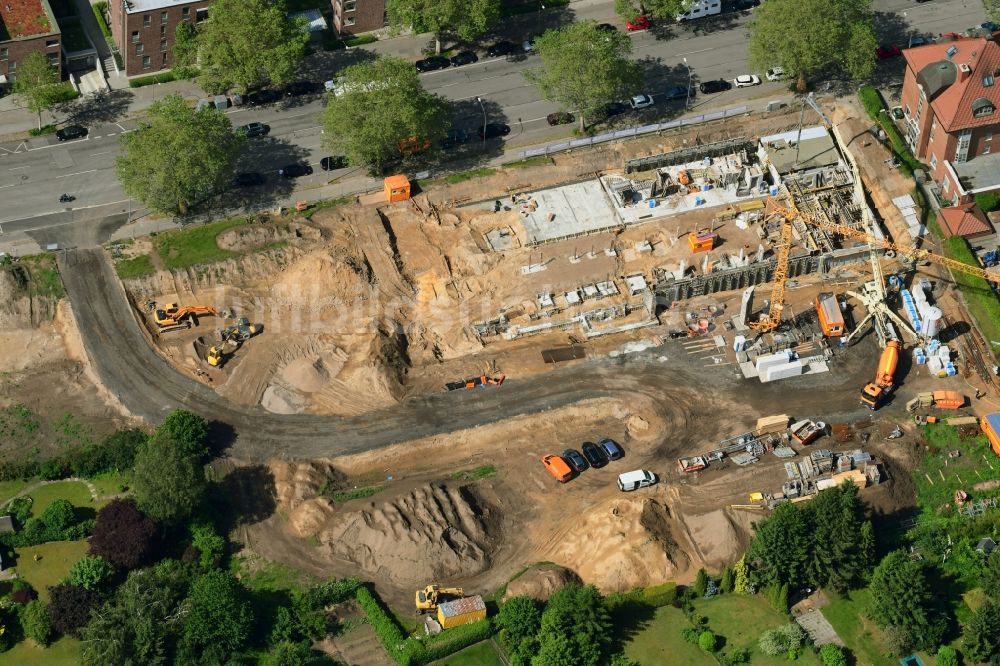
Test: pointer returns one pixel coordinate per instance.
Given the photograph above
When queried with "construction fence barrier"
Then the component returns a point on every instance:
(630, 132)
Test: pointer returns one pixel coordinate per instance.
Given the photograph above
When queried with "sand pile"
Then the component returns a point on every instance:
(719, 536)
(325, 276)
(296, 488)
(625, 544)
(312, 373)
(435, 532)
(540, 582)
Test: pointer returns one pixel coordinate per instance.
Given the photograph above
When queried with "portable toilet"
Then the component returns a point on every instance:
(461, 611)
(397, 188)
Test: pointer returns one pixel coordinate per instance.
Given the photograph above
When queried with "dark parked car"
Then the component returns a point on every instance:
(594, 455)
(679, 92)
(575, 460)
(464, 58)
(615, 109)
(302, 88)
(560, 118)
(265, 96)
(503, 48)
(432, 63)
(719, 85)
(248, 179)
(611, 449)
(743, 5)
(454, 138)
(606, 27)
(333, 162)
(493, 130)
(251, 130)
(71, 132)
(295, 170)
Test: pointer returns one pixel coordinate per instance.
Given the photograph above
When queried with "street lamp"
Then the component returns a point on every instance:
(687, 100)
(480, 100)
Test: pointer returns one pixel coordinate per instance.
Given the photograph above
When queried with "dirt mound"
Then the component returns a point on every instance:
(250, 237)
(313, 373)
(541, 582)
(435, 532)
(18, 308)
(336, 275)
(308, 517)
(719, 536)
(295, 482)
(631, 547)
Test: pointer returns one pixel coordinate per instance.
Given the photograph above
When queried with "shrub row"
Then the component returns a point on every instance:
(57, 523)
(115, 453)
(99, 9)
(451, 641)
(162, 77)
(389, 633)
(660, 595)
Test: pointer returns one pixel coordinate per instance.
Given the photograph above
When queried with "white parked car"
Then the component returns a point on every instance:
(746, 80)
(641, 101)
(775, 74)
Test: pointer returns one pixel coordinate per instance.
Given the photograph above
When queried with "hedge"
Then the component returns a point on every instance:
(871, 99)
(660, 595)
(99, 9)
(389, 633)
(452, 640)
(162, 77)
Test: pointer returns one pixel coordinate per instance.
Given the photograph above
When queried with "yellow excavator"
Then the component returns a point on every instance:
(172, 314)
(427, 598)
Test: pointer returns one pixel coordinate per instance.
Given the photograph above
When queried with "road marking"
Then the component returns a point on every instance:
(687, 53)
(20, 167)
(108, 134)
(75, 174)
(11, 185)
(103, 153)
(121, 127)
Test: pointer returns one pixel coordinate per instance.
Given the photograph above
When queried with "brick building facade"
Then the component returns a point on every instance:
(27, 26)
(950, 100)
(144, 30)
(351, 17)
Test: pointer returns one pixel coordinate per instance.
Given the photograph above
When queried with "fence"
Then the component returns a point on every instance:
(631, 132)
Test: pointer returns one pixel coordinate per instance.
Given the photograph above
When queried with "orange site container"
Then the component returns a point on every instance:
(701, 242)
(397, 188)
(991, 426)
(831, 319)
(948, 399)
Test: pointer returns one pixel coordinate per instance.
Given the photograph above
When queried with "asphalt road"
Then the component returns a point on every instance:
(33, 174)
(149, 388)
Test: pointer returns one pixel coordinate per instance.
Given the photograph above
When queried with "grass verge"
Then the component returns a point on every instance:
(480, 654)
(483, 472)
(538, 160)
(326, 203)
(872, 101)
(136, 267)
(463, 176)
(162, 77)
(43, 130)
(196, 245)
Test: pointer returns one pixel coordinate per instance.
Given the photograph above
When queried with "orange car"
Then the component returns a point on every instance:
(557, 467)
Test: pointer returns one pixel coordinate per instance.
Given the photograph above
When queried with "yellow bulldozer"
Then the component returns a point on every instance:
(427, 599)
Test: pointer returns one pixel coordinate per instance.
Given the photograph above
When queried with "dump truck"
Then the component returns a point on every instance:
(831, 319)
(173, 315)
(874, 394)
(990, 425)
(939, 399)
(461, 611)
(428, 598)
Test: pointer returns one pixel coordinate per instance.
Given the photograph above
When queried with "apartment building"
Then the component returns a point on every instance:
(27, 26)
(351, 17)
(951, 93)
(144, 30)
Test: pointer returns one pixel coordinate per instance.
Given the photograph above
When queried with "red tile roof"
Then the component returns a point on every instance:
(953, 107)
(964, 220)
(23, 18)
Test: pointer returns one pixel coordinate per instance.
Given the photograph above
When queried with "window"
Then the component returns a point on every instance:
(147, 20)
(982, 107)
(145, 62)
(49, 43)
(135, 37)
(164, 16)
(988, 80)
(12, 67)
(986, 149)
(988, 136)
(348, 20)
(163, 45)
(201, 15)
(3, 54)
(138, 49)
(350, 5)
(164, 60)
(53, 59)
(163, 31)
(185, 13)
(934, 162)
(946, 184)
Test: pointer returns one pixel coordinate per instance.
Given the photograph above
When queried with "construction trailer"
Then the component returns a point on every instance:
(991, 427)
(461, 611)
(831, 319)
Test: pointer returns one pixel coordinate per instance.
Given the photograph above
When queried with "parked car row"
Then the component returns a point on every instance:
(289, 171)
(572, 462)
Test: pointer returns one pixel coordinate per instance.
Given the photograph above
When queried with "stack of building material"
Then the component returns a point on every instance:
(767, 360)
(782, 371)
(911, 215)
(769, 424)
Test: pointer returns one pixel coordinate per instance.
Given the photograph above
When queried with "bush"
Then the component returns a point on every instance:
(660, 595)
(41, 131)
(36, 623)
(781, 640)
(57, 523)
(833, 655)
(53, 470)
(115, 453)
(91, 572)
(707, 641)
(988, 201)
(141, 81)
(726, 584)
(21, 592)
(690, 635)
(700, 583)
(20, 508)
(735, 658)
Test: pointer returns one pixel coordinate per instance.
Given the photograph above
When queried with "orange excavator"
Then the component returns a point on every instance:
(875, 393)
(172, 315)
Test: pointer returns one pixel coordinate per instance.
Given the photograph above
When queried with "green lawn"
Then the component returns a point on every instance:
(74, 491)
(196, 245)
(480, 654)
(271, 576)
(10, 488)
(658, 641)
(136, 267)
(64, 652)
(109, 483)
(54, 561)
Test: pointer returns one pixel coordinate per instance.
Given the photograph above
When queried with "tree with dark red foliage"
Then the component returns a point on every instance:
(123, 535)
(69, 608)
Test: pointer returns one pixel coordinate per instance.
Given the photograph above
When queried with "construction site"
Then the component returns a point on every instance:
(748, 310)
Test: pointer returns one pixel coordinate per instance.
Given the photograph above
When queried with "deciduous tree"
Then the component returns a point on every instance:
(248, 42)
(806, 36)
(661, 9)
(902, 597)
(69, 608)
(381, 103)
(946, 656)
(91, 572)
(123, 535)
(38, 82)
(188, 431)
(168, 482)
(36, 623)
(584, 68)
(467, 19)
(178, 156)
(218, 622)
(519, 621)
(575, 628)
(832, 655)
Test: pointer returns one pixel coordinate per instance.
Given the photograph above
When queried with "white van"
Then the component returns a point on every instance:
(636, 479)
(701, 8)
